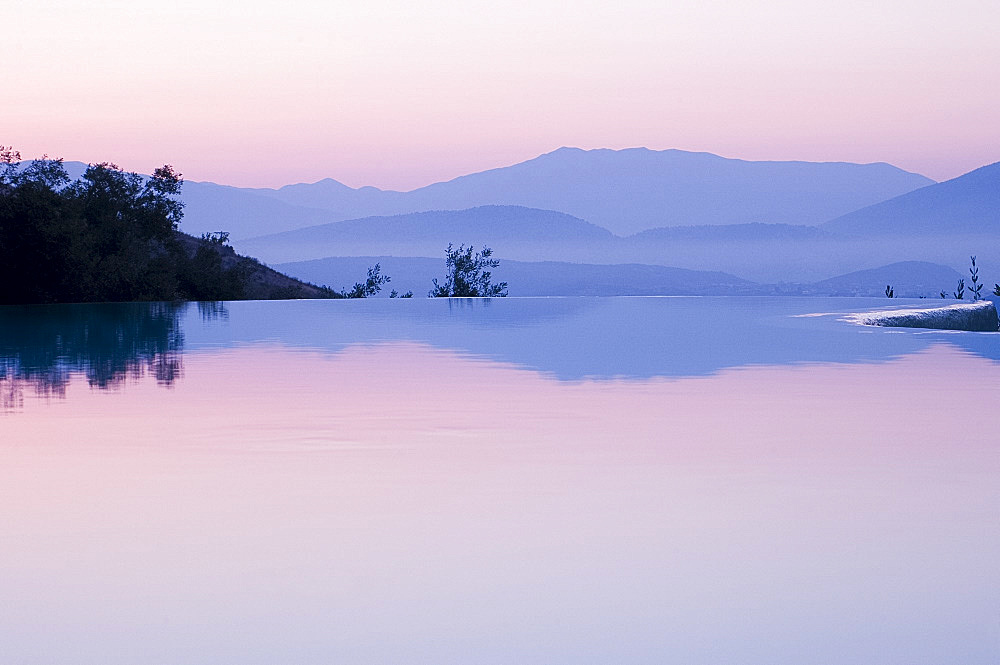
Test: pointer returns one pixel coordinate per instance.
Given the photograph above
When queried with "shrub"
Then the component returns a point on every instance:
(468, 276)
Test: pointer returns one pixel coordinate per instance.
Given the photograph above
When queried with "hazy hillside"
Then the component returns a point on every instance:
(733, 233)
(758, 252)
(908, 279)
(966, 205)
(905, 228)
(428, 233)
(552, 278)
(347, 202)
(543, 278)
(242, 213)
(632, 190)
(625, 191)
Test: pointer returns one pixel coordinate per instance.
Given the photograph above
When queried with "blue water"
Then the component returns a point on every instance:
(569, 338)
(552, 480)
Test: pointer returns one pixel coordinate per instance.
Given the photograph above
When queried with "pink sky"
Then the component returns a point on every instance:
(399, 94)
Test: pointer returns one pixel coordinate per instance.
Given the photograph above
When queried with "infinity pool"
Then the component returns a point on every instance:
(583, 480)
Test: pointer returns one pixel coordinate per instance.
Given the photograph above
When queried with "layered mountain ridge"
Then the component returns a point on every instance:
(624, 191)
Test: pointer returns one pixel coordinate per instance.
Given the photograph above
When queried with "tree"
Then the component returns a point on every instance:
(131, 221)
(468, 276)
(110, 236)
(216, 237)
(45, 244)
(113, 236)
(373, 284)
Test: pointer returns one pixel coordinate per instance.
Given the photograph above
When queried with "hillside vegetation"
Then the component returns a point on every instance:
(113, 236)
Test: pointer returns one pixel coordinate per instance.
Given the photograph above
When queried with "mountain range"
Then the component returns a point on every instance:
(554, 278)
(509, 230)
(766, 222)
(966, 205)
(624, 191)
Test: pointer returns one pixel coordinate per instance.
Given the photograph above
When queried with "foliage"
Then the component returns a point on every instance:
(372, 285)
(889, 293)
(960, 290)
(468, 276)
(113, 236)
(976, 289)
(108, 236)
(395, 294)
(216, 237)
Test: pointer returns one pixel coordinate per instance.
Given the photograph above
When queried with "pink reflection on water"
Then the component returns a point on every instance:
(401, 503)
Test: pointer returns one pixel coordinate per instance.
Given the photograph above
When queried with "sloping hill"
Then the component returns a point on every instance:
(428, 233)
(242, 213)
(555, 278)
(257, 281)
(526, 278)
(908, 279)
(966, 205)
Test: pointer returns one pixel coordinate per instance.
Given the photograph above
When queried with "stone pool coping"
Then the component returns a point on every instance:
(978, 316)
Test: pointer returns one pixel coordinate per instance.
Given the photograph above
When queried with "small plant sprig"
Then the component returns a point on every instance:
(960, 290)
(996, 289)
(943, 294)
(889, 293)
(373, 284)
(216, 237)
(976, 289)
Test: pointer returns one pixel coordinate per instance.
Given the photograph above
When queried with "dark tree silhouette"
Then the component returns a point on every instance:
(372, 285)
(113, 236)
(468, 275)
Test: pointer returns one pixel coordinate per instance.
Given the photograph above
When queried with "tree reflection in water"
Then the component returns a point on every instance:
(42, 347)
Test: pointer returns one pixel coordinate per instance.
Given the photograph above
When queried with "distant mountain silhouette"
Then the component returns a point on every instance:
(939, 223)
(733, 232)
(764, 253)
(556, 278)
(330, 195)
(541, 278)
(631, 190)
(428, 233)
(625, 191)
(966, 205)
(908, 279)
(243, 213)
